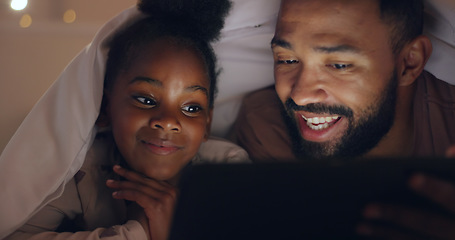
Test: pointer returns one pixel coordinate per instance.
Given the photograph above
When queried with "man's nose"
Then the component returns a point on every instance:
(309, 87)
(166, 121)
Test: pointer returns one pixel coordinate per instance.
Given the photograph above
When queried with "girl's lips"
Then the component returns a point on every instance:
(161, 147)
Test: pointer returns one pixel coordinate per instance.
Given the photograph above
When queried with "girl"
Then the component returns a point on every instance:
(157, 107)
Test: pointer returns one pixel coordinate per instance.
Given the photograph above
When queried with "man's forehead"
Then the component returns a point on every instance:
(332, 15)
(290, 9)
(330, 23)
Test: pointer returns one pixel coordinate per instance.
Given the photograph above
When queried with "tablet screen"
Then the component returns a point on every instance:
(313, 200)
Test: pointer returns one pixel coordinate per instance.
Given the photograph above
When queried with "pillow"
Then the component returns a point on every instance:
(440, 27)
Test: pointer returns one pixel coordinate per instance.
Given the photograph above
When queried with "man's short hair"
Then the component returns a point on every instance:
(405, 17)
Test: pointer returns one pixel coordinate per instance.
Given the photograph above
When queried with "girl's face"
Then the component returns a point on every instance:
(159, 109)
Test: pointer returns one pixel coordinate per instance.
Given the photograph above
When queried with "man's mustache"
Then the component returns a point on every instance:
(319, 108)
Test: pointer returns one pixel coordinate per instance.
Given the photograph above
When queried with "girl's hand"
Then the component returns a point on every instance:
(157, 198)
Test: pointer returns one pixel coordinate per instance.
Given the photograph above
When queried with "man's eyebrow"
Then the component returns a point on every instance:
(198, 88)
(339, 48)
(280, 43)
(146, 79)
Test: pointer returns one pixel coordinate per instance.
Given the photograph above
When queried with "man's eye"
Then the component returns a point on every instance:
(340, 66)
(293, 61)
(145, 100)
(192, 109)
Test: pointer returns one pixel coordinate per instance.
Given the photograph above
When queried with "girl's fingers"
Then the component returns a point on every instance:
(134, 196)
(143, 189)
(141, 199)
(150, 204)
(139, 178)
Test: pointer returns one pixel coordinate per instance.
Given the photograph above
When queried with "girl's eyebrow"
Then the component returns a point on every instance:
(158, 83)
(198, 88)
(146, 79)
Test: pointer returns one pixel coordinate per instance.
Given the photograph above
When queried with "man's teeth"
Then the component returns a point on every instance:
(319, 123)
(318, 127)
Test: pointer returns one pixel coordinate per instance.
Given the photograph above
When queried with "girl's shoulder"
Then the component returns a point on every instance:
(219, 150)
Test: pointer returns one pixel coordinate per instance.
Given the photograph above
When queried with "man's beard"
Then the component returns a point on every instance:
(362, 134)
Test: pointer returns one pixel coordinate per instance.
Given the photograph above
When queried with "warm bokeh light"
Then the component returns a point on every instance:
(18, 4)
(26, 21)
(69, 16)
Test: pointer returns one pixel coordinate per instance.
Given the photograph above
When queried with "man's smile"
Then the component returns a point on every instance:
(320, 123)
(321, 127)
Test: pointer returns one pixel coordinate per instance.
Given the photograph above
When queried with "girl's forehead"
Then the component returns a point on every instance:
(163, 60)
(167, 47)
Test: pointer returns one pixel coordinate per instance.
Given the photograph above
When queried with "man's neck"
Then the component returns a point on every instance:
(399, 141)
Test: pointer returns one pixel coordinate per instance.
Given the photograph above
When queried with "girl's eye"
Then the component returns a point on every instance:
(292, 61)
(192, 109)
(340, 66)
(145, 100)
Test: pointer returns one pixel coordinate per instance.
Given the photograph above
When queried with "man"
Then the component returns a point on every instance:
(350, 76)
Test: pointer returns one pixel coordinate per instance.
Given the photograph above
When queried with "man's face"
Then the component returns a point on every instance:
(335, 73)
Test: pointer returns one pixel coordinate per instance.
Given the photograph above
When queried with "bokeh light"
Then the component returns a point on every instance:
(18, 4)
(26, 21)
(69, 16)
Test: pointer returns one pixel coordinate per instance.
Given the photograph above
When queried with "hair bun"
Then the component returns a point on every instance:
(206, 16)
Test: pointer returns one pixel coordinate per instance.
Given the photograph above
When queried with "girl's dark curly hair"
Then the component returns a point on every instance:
(190, 23)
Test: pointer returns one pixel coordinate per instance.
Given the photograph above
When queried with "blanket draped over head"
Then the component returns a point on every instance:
(50, 145)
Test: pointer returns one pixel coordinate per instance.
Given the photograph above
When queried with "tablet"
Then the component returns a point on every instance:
(311, 200)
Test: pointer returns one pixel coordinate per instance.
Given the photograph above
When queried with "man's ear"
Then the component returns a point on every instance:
(413, 58)
(103, 117)
(209, 125)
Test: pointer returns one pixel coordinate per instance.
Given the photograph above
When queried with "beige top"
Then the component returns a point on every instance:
(87, 203)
